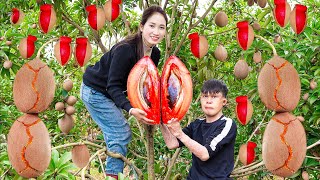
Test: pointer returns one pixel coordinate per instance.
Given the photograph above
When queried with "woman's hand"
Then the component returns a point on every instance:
(174, 127)
(140, 115)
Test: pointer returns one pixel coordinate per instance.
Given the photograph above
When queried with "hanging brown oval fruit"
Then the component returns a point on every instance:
(241, 69)
(247, 153)
(284, 145)
(176, 90)
(262, 3)
(83, 51)
(313, 84)
(63, 50)
(199, 45)
(33, 87)
(112, 9)
(71, 100)
(279, 85)
(59, 106)
(244, 109)
(144, 88)
(221, 53)
(281, 12)
(17, 16)
(245, 35)
(70, 110)
(29, 147)
(80, 155)
(27, 47)
(67, 85)
(277, 38)
(47, 18)
(7, 64)
(250, 2)
(298, 18)
(96, 17)
(221, 19)
(257, 57)
(256, 26)
(66, 123)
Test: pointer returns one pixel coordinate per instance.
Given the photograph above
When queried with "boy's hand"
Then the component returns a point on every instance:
(140, 115)
(174, 127)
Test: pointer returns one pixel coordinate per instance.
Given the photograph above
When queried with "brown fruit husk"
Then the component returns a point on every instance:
(221, 19)
(70, 110)
(262, 3)
(7, 64)
(284, 133)
(30, 133)
(277, 39)
(241, 69)
(33, 87)
(256, 26)
(71, 100)
(59, 106)
(221, 53)
(80, 155)
(257, 57)
(67, 85)
(280, 89)
(66, 123)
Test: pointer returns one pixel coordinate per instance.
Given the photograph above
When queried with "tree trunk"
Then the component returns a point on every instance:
(150, 150)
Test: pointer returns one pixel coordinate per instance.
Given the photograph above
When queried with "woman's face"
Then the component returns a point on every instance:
(154, 29)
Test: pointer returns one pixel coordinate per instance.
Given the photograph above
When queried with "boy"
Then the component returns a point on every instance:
(211, 140)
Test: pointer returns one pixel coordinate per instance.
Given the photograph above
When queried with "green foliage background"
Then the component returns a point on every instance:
(303, 51)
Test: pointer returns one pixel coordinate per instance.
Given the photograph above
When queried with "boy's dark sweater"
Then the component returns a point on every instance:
(109, 75)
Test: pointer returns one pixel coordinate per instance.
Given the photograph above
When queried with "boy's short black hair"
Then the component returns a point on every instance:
(213, 86)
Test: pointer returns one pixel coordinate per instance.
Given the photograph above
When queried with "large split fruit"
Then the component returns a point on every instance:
(199, 45)
(27, 47)
(17, 16)
(29, 147)
(298, 18)
(63, 50)
(245, 34)
(112, 9)
(161, 98)
(33, 87)
(96, 17)
(284, 145)
(281, 12)
(244, 109)
(279, 85)
(47, 18)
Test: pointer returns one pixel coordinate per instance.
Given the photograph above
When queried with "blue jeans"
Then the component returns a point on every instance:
(115, 128)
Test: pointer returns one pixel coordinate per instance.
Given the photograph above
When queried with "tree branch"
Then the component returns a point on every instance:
(314, 144)
(172, 162)
(124, 19)
(234, 172)
(39, 51)
(168, 36)
(165, 5)
(222, 32)
(269, 43)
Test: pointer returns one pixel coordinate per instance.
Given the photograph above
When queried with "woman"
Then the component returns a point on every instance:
(104, 86)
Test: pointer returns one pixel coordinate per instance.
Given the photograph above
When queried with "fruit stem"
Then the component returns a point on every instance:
(269, 43)
(53, 39)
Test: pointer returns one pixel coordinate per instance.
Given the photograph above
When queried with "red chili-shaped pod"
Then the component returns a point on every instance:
(27, 47)
(199, 45)
(83, 51)
(144, 88)
(298, 18)
(281, 12)
(247, 153)
(47, 18)
(16, 16)
(96, 17)
(244, 109)
(176, 90)
(245, 35)
(112, 9)
(63, 50)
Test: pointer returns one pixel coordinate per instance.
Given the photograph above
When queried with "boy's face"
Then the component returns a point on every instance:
(212, 103)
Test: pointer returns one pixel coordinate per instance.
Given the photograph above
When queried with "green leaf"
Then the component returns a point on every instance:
(64, 159)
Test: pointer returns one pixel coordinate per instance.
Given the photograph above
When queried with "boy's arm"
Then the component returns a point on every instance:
(170, 140)
(197, 149)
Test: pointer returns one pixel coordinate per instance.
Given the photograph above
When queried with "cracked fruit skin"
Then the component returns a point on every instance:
(33, 87)
(29, 147)
(279, 85)
(284, 145)
(161, 98)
